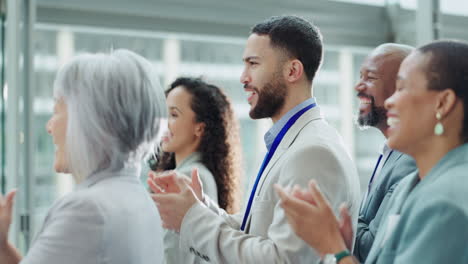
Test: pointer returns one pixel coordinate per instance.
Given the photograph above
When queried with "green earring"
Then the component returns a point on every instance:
(439, 128)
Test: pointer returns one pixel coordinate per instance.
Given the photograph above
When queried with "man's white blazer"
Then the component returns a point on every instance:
(311, 149)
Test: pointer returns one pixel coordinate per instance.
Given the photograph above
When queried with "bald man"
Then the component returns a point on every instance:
(377, 82)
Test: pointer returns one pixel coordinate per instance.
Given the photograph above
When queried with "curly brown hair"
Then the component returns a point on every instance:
(220, 144)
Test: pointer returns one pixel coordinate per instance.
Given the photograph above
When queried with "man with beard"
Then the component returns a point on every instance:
(281, 58)
(377, 82)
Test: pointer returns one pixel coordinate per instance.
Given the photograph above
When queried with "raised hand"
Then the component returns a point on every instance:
(163, 182)
(173, 206)
(197, 185)
(166, 182)
(302, 194)
(312, 218)
(6, 212)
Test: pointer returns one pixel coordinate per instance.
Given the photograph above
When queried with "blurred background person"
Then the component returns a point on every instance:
(377, 82)
(204, 134)
(427, 216)
(106, 115)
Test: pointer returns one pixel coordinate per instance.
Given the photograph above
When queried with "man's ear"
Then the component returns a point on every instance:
(446, 101)
(199, 129)
(293, 71)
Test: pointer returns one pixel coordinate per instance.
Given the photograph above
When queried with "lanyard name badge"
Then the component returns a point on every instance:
(268, 157)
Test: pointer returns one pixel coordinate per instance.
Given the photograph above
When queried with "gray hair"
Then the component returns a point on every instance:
(115, 104)
(394, 49)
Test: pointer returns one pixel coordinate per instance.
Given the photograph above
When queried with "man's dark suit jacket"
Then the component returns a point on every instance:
(396, 167)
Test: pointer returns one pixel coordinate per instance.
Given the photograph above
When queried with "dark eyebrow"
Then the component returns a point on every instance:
(249, 58)
(175, 108)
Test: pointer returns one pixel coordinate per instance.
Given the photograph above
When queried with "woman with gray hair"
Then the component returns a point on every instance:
(106, 116)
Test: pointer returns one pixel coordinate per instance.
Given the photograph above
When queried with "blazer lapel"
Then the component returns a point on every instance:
(396, 204)
(288, 139)
(394, 156)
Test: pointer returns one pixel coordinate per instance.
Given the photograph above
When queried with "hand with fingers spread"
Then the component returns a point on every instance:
(174, 204)
(312, 218)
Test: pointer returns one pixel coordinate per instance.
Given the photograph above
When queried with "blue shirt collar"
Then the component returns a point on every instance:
(271, 134)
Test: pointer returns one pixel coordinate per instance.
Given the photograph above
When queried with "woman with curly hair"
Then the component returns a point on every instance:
(202, 133)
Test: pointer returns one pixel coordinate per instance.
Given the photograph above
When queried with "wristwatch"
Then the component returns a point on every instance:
(335, 258)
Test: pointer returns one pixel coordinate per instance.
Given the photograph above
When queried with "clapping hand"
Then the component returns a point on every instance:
(6, 212)
(174, 195)
(312, 218)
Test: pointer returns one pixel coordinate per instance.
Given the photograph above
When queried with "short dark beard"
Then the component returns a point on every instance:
(271, 98)
(376, 115)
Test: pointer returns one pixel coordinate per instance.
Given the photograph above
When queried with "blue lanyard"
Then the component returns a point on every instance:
(373, 173)
(268, 157)
(375, 170)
